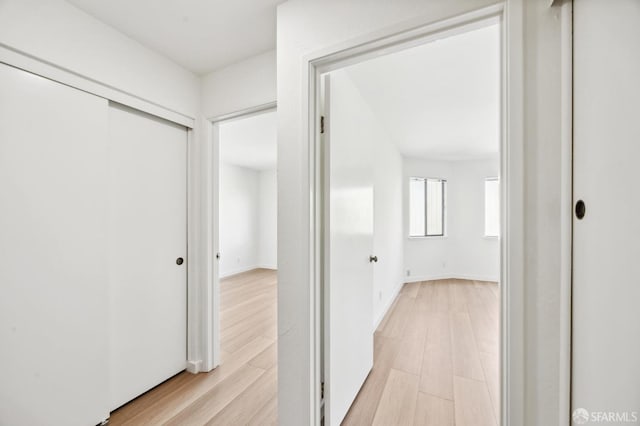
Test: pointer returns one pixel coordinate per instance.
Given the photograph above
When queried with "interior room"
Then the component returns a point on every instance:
(430, 118)
(248, 194)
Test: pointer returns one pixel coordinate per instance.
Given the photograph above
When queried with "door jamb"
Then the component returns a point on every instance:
(211, 303)
(512, 206)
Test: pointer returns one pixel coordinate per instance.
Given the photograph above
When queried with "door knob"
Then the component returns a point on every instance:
(179, 261)
(373, 259)
(218, 256)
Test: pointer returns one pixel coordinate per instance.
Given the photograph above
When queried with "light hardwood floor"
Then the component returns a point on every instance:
(242, 390)
(435, 358)
(435, 362)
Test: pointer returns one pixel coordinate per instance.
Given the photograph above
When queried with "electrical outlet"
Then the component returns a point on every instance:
(408, 272)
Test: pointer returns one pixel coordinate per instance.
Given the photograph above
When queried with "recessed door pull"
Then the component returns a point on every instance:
(581, 209)
(179, 261)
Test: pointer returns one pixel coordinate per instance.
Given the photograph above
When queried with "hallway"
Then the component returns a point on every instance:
(435, 358)
(242, 390)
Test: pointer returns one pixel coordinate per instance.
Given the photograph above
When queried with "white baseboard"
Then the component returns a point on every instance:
(271, 267)
(418, 278)
(194, 367)
(239, 271)
(392, 299)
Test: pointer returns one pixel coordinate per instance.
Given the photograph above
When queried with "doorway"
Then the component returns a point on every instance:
(245, 212)
(373, 150)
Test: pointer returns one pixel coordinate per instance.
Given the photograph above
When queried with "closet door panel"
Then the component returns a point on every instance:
(53, 251)
(606, 286)
(147, 235)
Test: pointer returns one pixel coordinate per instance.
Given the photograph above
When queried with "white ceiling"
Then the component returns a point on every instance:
(200, 35)
(440, 100)
(250, 142)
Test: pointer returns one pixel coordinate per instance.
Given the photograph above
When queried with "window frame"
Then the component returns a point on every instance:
(443, 182)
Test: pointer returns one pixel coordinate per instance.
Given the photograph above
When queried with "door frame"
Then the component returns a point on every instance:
(210, 343)
(512, 349)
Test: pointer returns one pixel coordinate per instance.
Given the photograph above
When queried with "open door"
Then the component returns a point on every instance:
(348, 285)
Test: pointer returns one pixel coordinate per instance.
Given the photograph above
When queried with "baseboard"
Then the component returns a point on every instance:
(239, 271)
(270, 267)
(392, 299)
(449, 277)
(194, 367)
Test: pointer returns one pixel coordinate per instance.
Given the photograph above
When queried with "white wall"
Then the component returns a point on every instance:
(239, 223)
(239, 86)
(464, 252)
(248, 219)
(306, 26)
(268, 220)
(473, 255)
(61, 34)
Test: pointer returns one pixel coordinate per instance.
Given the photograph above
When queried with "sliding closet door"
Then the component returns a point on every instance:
(53, 251)
(147, 251)
(606, 285)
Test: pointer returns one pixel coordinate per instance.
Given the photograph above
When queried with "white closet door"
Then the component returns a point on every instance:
(147, 230)
(606, 284)
(349, 290)
(53, 251)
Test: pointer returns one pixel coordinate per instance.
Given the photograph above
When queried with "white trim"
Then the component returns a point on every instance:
(194, 367)
(269, 267)
(247, 269)
(246, 112)
(468, 277)
(566, 199)
(512, 306)
(512, 160)
(34, 65)
(238, 271)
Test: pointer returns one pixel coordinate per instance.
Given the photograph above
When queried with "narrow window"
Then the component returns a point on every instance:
(426, 207)
(491, 207)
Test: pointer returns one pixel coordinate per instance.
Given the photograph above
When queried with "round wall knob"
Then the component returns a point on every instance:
(179, 261)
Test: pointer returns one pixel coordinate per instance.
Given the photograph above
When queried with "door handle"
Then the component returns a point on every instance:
(373, 259)
(218, 256)
(179, 261)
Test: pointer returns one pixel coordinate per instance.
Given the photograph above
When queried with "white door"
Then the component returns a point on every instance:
(349, 289)
(606, 286)
(53, 251)
(147, 230)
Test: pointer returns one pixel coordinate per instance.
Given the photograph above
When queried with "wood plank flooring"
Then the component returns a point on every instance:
(243, 389)
(435, 358)
(435, 362)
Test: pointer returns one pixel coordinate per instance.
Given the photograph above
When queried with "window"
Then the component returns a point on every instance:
(426, 207)
(491, 207)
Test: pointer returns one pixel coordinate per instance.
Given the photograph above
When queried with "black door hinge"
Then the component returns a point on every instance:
(322, 124)
(322, 390)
